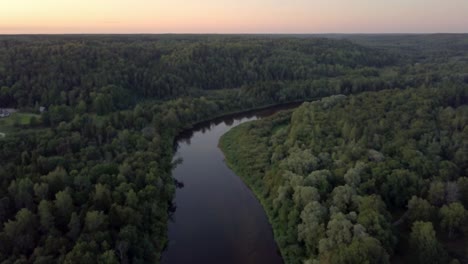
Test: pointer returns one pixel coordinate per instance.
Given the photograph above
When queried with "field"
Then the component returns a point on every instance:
(16, 121)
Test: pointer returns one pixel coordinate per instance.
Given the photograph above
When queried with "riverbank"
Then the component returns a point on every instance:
(215, 210)
(234, 161)
(241, 113)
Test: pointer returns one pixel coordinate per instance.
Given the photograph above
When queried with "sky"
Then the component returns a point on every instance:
(233, 16)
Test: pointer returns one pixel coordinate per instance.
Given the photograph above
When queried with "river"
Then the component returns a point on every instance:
(217, 217)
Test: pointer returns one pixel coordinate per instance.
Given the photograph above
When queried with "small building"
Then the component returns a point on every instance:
(42, 109)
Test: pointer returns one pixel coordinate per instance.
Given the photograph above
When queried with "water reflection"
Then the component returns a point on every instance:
(178, 184)
(216, 218)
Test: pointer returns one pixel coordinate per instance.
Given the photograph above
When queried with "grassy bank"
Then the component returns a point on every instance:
(15, 121)
(244, 156)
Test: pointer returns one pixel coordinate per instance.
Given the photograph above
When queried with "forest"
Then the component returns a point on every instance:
(369, 178)
(88, 180)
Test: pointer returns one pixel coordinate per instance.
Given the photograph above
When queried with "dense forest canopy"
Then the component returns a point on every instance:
(433, 46)
(336, 174)
(89, 179)
(58, 70)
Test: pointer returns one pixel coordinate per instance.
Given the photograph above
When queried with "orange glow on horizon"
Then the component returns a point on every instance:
(229, 16)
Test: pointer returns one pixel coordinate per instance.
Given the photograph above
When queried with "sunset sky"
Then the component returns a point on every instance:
(233, 16)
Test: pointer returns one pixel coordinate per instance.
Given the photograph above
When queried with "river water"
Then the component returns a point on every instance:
(217, 217)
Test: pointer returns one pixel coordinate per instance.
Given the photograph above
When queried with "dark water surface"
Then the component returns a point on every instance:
(218, 219)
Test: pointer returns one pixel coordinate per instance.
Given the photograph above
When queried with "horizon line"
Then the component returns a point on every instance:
(233, 34)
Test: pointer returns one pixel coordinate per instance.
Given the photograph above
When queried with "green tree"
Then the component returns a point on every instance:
(344, 198)
(64, 204)
(463, 188)
(312, 227)
(353, 176)
(339, 232)
(81, 107)
(82, 252)
(132, 199)
(95, 221)
(364, 249)
(304, 195)
(41, 190)
(436, 193)
(102, 197)
(22, 231)
(22, 191)
(453, 217)
(424, 243)
(102, 104)
(74, 226)
(321, 180)
(420, 210)
(46, 217)
(108, 257)
(374, 217)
